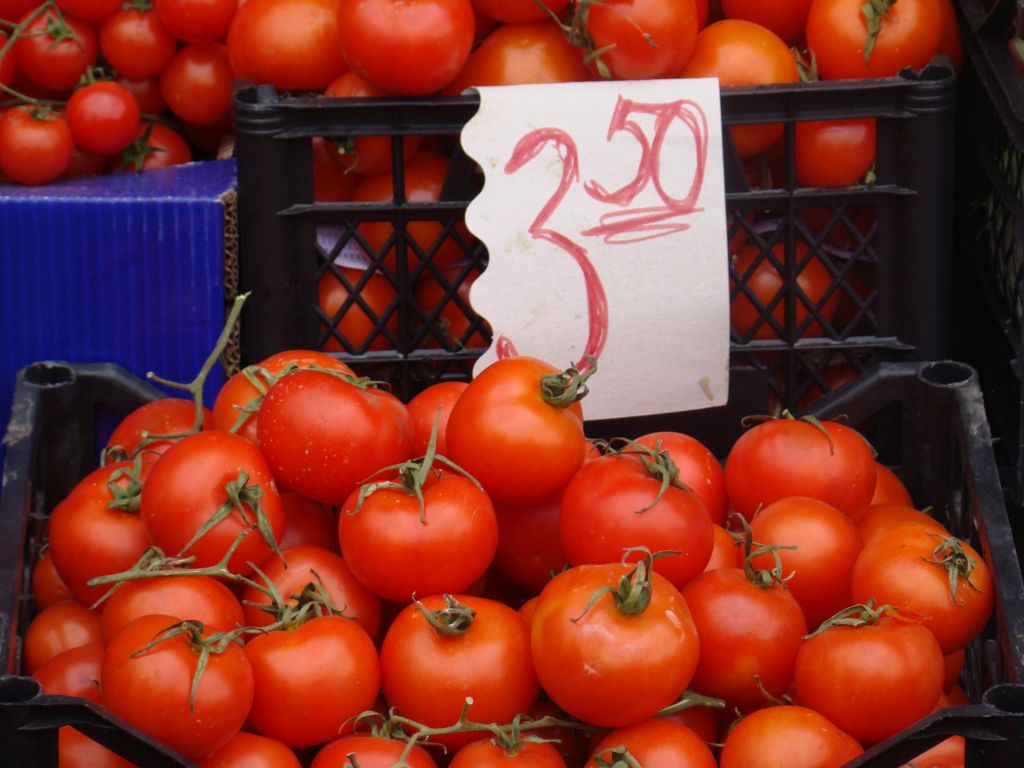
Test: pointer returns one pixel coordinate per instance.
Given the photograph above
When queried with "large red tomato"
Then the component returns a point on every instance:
(369, 752)
(529, 543)
(794, 736)
(699, 470)
(834, 153)
(640, 39)
(61, 627)
(656, 743)
(434, 404)
(54, 51)
(367, 307)
(484, 753)
(786, 18)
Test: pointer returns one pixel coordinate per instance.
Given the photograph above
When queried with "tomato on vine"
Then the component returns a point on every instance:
(103, 117)
(135, 42)
(35, 144)
(54, 51)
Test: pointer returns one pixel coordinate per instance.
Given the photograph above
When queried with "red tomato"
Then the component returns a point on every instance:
(748, 633)
(88, 10)
(311, 565)
(827, 545)
(332, 180)
(147, 94)
(399, 549)
(953, 666)
(699, 470)
(425, 173)
(77, 750)
(292, 44)
(248, 749)
(156, 146)
(791, 457)
(640, 39)
(409, 48)
(244, 391)
(371, 297)
(434, 403)
(166, 416)
(793, 736)
(889, 489)
(873, 680)
(309, 681)
(726, 552)
(367, 155)
(35, 145)
(196, 21)
(743, 53)
(701, 720)
(47, 585)
(189, 484)
(52, 58)
(187, 598)
(520, 11)
(834, 153)
(613, 502)
(532, 450)
(656, 743)
(909, 34)
(96, 530)
(196, 85)
(577, 646)
(484, 753)
(13, 10)
(880, 517)
(454, 324)
(64, 625)
(103, 117)
(950, 753)
(427, 675)
(324, 436)
(74, 672)
(914, 569)
(136, 44)
(307, 523)
(369, 752)
(786, 18)
(154, 690)
(530, 546)
(765, 281)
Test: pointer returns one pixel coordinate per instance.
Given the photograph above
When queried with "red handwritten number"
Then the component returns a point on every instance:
(528, 147)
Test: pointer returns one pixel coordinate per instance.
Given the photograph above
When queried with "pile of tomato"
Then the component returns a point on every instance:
(315, 573)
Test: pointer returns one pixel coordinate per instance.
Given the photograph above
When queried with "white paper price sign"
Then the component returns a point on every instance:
(603, 211)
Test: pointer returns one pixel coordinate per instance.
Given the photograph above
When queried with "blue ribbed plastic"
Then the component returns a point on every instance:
(126, 268)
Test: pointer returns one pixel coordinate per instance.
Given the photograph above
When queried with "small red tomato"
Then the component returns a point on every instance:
(104, 117)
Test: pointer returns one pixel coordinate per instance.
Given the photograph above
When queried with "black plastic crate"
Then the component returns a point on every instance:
(887, 245)
(928, 420)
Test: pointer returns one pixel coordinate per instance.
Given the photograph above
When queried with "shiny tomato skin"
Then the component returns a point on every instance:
(793, 736)
(786, 18)
(310, 680)
(74, 672)
(657, 743)
(88, 10)
(530, 545)
(726, 552)
(61, 627)
(513, 12)
(889, 489)
(47, 585)
(643, 39)
(103, 117)
(165, 416)
(408, 48)
(196, 85)
(434, 403)
(164, 148)
(370, 752)
(699, 470)
(834, 153)
(77, 750)
(531, 440)
(136, 44)
(52, 64)
(249, 750)
(880, 517)
(307, 523)
(32, 150)
(580, 662)
(484, 753)
(196, 21)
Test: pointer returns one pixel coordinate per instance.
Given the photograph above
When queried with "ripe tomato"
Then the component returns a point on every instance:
(786, 18)
(332, 181)
(889, 489)
(529, 543)
(13, 10)
(196, 85)
(740, 52)
(530, 452)
(699, 470)
(434, 403)
(76, 750)
(64, 625)
(938, 577)
(309, 681)
(47, 585)
(409, 48)
(307, 523)
(196, 21)
(189, 484)
(187, 598)
(516, 12)
(748, 633)
(827, 545)
(793, 736)
(244, 391)
(613, 502)
(311, 565)
(136, 44)
(368, 301)
(447, 302)
(74, 672)
(656, 743)
(53, 52)
(726, 552)
(369, 752)
(88, 10)
(640, 39)
(946, 754)
(165, 416)
(834, 153)
(367, 155)
(953, 665)
(103, 117)
(765, 281)
(880, 517)
(577, 646)
(427, 674)
(791, 457)
(35, 145)
(252, 750)
(399, 549)
(873, 680)
(484, 753)
(909, 34)
(701, 720)
(425, 173)
(154, 690)
(292, 44)
(156, 146)
(324, 436)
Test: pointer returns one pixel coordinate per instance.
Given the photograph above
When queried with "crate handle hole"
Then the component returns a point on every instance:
(49, 374)
(1007, 698)
(16, 690)
(946, 373)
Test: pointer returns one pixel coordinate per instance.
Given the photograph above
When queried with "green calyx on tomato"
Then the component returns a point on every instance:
(949, 554)
(763, 578)
(452, 620)
(616, 757)
(875, 12)
(862, 615)
(633, 594)
(814, 421)
(658, 463)
(142, 6)
(57, 28)
(806, 66)
(563, 389)
(126, 497)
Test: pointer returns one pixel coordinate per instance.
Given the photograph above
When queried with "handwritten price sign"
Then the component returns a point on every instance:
(603, 211)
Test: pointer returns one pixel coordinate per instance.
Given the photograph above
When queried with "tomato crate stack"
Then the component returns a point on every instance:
(385, 283)
(927, 421)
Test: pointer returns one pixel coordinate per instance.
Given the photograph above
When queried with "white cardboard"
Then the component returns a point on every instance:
(666, 285)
